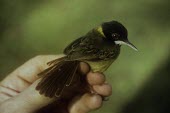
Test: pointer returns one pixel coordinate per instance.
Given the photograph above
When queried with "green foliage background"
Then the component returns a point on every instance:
(37, 27)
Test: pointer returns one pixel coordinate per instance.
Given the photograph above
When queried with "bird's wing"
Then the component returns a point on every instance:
(82, 49)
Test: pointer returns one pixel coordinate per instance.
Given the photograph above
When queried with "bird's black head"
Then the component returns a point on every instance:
(116, 32)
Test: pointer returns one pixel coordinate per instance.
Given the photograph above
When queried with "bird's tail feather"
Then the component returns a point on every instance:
(59, 75)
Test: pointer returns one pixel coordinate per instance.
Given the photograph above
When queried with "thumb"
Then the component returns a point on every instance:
(28, 101)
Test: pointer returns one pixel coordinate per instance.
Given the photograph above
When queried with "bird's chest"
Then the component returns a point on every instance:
(100, 66)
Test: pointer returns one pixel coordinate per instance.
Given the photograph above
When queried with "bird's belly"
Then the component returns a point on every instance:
(100, 66)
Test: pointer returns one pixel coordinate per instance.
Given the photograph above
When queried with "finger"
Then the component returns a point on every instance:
(104, 89)
(30, 69)
(26, 74)
(95, 78)
(29, 100)
(86, 103)
(84, 67)
(6, 93)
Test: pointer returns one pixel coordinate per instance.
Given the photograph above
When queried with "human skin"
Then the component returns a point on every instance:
(18, 94)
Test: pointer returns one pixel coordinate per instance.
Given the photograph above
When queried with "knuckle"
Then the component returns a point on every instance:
(96, 102)
(38, 57)
(109, 90)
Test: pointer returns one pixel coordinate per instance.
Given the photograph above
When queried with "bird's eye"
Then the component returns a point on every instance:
(115, 35)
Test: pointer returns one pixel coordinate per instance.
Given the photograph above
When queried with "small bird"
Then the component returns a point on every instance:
(99, 48)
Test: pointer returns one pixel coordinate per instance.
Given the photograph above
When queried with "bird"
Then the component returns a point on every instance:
(99, 48)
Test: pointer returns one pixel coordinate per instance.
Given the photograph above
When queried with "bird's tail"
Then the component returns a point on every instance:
(60, 75)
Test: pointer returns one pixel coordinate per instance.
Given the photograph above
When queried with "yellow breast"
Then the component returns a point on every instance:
(100, 66)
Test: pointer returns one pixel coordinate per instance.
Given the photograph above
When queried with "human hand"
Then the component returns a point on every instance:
(18, 94)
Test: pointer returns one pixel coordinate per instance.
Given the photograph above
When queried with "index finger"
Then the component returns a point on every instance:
(26, 74)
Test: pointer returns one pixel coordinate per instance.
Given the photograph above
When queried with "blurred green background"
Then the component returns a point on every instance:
(140, 80)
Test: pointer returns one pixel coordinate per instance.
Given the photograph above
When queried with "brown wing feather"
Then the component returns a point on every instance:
(52, 68)
(57, 77)
(55, 61)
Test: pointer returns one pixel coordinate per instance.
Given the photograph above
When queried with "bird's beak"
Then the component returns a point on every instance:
(126, 43)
